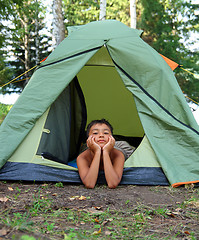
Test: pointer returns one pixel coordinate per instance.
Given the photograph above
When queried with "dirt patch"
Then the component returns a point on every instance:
(62, 211)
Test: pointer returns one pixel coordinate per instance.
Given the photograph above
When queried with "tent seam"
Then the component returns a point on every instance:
(66, 58)
(149, 95)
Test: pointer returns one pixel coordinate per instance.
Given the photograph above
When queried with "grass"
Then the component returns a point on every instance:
(4, 109)
(41, 218)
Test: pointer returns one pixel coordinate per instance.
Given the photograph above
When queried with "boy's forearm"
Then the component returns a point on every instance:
(111, 176)
(91, 177)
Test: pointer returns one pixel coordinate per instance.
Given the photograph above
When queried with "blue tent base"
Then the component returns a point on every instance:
(152, 176)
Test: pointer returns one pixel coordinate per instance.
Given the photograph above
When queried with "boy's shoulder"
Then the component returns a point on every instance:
(85, 152)
(116, 152)
(85, 155)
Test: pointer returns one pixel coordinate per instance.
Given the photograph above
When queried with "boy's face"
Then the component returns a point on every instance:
(101, 133)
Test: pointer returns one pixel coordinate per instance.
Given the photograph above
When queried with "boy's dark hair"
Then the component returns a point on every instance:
(101, 121)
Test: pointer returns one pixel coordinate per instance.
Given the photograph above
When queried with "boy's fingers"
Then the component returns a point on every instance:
(89, 138)
(89, 141)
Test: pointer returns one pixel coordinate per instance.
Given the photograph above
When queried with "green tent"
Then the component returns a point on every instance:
(101, 70)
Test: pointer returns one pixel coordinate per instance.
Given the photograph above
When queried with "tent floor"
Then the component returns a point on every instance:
(34, 172)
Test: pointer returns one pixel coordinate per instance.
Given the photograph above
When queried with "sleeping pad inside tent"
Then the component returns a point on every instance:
(101, 70)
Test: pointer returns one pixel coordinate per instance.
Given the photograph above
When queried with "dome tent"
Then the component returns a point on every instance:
(101, 70)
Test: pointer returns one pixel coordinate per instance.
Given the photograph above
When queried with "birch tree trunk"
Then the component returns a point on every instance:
(58, 22)
(102, 15)
(133, 13)
(37, 35)
(26, 45)
(24, 22)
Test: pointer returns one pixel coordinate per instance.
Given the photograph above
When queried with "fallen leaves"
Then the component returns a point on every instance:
(98, 208)
(3, 199)
(3, 232)
(192, 202)
(108, 233)
(174, 213)
(106, 221)
(82, 198)
(96, 220)
(95, 210)
(78, 198)
(195, 203)
(189, 186)
(100, 226)
(97, 232)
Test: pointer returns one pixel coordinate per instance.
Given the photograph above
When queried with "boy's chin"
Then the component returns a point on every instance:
(102, 145)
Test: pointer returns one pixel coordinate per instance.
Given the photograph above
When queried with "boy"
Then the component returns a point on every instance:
(100, 155)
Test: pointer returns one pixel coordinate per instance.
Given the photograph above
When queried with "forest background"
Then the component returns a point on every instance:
(27, 35)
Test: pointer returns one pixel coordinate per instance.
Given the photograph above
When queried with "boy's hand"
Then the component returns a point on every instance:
(110, 145)
(94, 147)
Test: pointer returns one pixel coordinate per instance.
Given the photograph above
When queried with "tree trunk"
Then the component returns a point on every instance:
(37, 36)
(102, 15)
(58, 22)
(133, 13)
(26, 49)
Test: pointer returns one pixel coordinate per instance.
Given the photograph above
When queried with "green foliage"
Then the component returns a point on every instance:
(5, 6)
(4, 109)
(167, 25)
(162, 22)
(18, 193)
(59, 185)
(40, 205)
(49, 226)
(23, 39)
(119, 10)
(5, 71)
(82, 12)
(18, 221)
(26, 237)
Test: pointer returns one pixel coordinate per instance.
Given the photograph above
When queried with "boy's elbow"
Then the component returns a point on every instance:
(112, 185)
(89, 185)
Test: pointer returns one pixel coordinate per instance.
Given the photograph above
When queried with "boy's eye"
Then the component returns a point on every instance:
(95, 133)
(106, 132)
